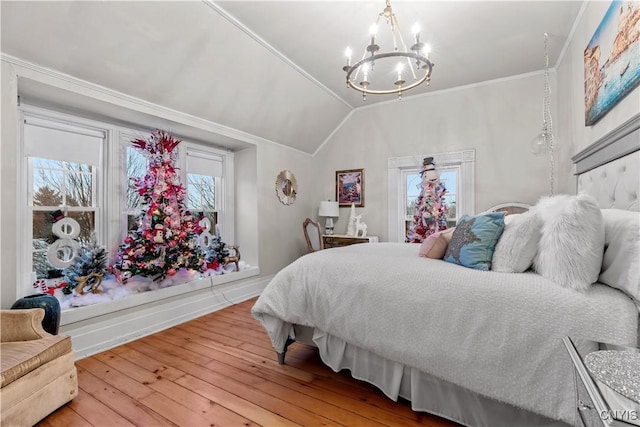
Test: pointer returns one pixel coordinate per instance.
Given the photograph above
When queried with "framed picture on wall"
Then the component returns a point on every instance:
(350, 187)
(611, 68)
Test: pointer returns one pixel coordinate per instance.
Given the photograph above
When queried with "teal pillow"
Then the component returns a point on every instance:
(474, 240)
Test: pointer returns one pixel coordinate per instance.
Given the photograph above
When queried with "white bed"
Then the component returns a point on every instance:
(480, 348)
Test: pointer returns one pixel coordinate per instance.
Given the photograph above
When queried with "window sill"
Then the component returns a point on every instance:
(77, 314)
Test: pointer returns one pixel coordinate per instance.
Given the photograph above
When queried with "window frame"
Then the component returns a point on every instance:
(224, 196)
(109, 198)
(451, 221)
(463, 161)
(63, 122)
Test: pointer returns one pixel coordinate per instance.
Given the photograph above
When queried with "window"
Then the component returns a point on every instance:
(448, 177)
(201, 193)
(85, 169)
(204, 182)
(136, 167)
(62, 167)
(456, 173)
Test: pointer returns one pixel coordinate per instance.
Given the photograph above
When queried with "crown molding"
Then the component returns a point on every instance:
(456, 89)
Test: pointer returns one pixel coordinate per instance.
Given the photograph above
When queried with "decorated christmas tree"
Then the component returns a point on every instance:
(165, 240)
(89, 269)
(430, 215)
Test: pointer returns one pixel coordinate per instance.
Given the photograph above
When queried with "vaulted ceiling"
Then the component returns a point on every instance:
(272, 68)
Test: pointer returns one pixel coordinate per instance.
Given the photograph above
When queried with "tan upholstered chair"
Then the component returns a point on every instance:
(38, 369)
(312, 234)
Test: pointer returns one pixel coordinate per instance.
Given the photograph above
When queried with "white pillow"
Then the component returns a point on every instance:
(518, 244)
(572, 243)
(621, 262)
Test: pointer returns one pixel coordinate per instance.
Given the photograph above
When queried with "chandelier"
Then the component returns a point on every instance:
(389, 80)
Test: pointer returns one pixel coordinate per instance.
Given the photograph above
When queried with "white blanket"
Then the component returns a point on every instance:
(497, 334)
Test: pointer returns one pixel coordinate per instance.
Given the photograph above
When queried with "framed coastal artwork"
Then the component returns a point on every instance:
(350, 187)
(612, 60)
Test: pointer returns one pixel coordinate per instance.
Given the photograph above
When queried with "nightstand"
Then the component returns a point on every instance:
(337, 240)
(599, 405)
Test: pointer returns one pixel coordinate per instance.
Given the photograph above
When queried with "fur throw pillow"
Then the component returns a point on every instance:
(518, 244)
(572, 243)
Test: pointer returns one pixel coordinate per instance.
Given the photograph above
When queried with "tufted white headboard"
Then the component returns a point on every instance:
(614, 184)
(609, 169)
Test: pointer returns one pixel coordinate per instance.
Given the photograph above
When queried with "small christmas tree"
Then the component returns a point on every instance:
(166, 238)
(93, 259)
(216, 252)
(430, 214)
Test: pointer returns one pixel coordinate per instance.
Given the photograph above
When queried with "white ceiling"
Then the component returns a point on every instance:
(273, 68)
(472, 41)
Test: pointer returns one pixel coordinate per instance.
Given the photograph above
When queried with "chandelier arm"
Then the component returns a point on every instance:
(395, 33)
(413, 72)
(404, 46)
(359, 64)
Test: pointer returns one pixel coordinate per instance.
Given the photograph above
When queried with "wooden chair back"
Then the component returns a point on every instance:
(312, 234)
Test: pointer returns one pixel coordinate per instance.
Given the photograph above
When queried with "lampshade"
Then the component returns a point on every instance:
(329, 209)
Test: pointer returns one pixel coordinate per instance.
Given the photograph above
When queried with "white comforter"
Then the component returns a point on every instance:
(496, 334)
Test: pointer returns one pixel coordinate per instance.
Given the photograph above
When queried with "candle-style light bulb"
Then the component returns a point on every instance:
(347, 53)
(415, 30)
(373, 30)
(426, 50)
(399, 69)
(365, 71)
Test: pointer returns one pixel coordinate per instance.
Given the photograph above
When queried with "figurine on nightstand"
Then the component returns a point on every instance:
(360, 227)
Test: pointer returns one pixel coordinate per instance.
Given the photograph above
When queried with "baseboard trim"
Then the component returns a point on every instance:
(105, 332)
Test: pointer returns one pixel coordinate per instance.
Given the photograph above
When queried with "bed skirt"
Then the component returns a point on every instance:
(425, 392)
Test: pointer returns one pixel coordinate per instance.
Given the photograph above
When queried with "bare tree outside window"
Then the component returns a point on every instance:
(449, 177)
(137, 167)
(201, 196)
(59, 185)
(413, 191)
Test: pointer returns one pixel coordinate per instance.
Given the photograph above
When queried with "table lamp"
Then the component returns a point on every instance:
(329, 210)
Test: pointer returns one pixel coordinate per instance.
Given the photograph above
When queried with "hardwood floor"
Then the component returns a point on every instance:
(220, 369)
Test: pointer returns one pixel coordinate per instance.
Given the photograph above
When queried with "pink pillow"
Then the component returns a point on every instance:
(435, 246)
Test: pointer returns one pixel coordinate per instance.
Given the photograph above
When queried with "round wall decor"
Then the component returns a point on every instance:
(286, 187)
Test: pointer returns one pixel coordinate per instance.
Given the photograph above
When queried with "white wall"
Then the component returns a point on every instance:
(246, 199)
(280, 232)
(571, 89)
(498, 119)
